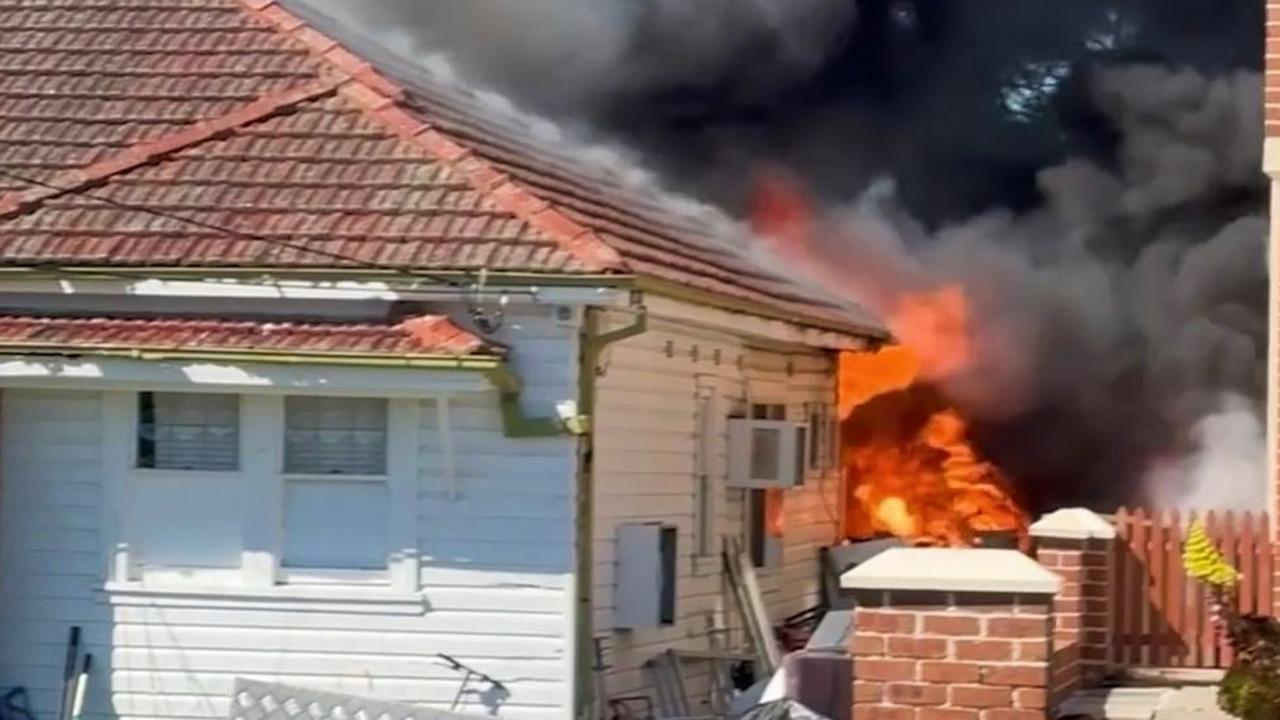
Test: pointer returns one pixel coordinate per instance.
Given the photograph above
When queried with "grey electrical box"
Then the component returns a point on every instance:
(644, 594)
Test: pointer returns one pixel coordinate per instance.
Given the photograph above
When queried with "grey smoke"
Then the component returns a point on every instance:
(1110, 323)
(569, 55)
(1223, 470)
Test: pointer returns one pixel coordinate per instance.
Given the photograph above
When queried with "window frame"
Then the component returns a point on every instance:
(766, 553)
(824, 441)
(262, 485)
(354, 477)
(135, 448)
(126, 484)
(400, 554)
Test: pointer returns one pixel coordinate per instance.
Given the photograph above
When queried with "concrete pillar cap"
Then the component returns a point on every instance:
(977, 570)
(1073, 524)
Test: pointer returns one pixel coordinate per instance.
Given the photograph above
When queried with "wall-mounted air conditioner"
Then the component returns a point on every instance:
(767, 453)
(644, 593)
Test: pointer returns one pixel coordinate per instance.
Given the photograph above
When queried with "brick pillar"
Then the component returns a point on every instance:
(950, 634)
(1076, 544)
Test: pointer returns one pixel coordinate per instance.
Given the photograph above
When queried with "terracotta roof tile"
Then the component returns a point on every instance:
(397, 168)
(423, 336)
(90, 77)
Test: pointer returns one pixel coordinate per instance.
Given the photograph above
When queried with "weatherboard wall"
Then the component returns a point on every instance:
(645, 472)
(496, 570)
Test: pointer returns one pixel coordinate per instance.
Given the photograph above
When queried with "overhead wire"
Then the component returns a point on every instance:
(236, 232)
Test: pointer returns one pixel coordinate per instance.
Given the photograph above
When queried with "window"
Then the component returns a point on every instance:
(264, 490)
(188, 431)
(764, 526)
(186, 496)
(761, 411)
(336, 495)
(335, 436)
(762, 520)
(336, 524)
(824, 437)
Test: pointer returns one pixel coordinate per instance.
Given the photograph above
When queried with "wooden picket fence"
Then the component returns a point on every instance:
(1160, 618)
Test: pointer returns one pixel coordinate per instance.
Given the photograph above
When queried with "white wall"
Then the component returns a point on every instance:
(496, 577)
(645, 470)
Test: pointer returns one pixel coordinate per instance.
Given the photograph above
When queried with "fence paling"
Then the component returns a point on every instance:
(1159, 615)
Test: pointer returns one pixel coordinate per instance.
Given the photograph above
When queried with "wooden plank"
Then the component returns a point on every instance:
(1192, 613)
(1175, 593)
(1118, 590)
(1137, 584)
(1248, 598)
(1156, 623)
(1208, 643)
(1141, 607)
(1266, 564)
(1230, 552)
(746, 587)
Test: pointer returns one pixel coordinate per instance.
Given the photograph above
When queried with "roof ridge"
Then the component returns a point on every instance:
(146, 151)
(379, 97)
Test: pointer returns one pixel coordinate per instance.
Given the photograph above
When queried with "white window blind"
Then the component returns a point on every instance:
(335, 436)
(336, 524)
(188, 431)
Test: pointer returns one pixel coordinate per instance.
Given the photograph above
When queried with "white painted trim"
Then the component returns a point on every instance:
(119, 411)
(1272, 414)
(382, 600)
(403, 425)
(444, 429)
(1271, 157)
(164, 577)
(952, 570)
(306, 577)
(262, 422)
(124, 374)
(746, 325)
(1073, 524)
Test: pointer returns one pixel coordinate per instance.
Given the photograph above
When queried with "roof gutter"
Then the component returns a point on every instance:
(408, 275)
(493, 280)
(481, 363)
(515, 423)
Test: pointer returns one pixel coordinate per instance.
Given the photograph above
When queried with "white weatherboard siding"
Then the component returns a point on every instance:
(645, 472)
(496, 578)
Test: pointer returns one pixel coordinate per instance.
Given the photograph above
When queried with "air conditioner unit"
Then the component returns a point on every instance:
(767, 453)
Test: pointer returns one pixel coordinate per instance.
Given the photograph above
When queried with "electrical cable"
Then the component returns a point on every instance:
(233, 232)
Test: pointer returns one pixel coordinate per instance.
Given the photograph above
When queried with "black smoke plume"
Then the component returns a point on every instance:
(1088, 171)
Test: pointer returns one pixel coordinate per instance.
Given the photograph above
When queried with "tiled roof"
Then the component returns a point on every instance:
(423, 336)
(172, 121)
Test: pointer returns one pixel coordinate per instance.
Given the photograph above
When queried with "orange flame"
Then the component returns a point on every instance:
(911, 468)
(910, 465)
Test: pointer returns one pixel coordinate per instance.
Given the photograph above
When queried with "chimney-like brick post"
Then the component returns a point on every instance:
(951, 634)
(1078, 545)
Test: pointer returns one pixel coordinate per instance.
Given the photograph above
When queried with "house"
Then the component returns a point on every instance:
(314, 367)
